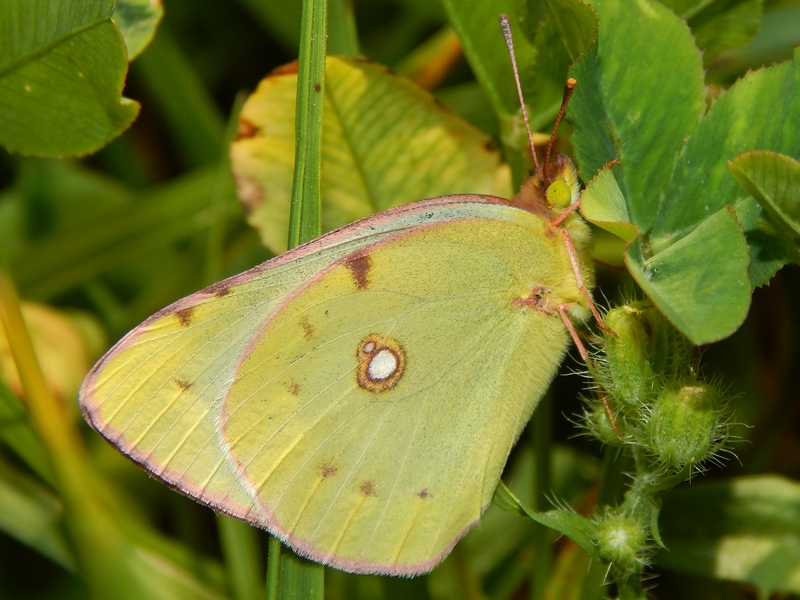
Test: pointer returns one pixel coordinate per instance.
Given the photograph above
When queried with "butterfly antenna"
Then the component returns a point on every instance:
(569, 87)
(506, 27)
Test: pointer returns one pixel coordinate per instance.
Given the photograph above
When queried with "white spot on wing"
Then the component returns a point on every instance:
(382, 365)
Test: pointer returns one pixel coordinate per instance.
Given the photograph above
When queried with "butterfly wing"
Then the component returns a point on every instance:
(359, 395)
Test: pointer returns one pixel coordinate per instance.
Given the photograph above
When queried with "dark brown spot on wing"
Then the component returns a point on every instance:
(219, 291)
(308, 329)
(185, 316)
(294, 388)
(359, 269)
(368, 488)
(183, 384)
(327, 469)
(423, 494)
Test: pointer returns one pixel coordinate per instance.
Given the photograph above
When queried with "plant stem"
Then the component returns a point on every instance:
(542, 445)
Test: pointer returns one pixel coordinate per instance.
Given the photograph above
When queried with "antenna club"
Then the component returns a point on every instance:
(569, 87)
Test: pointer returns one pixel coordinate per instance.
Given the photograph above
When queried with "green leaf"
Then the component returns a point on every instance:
(576, 23)
(32, 514)
(672, 170)
(746, 529)
(97, 240)
(579, 529)
(700, 283)
(774, 181)
(686, 8)
(778, 32)
(378, 128)
(17, 434)
(342, 34)
(603, 204)
(719, 25)
(743, 118)
(622, 111)
(281, 20)
(62, 68)
(761, 111)
(724, 25)
(137, 21)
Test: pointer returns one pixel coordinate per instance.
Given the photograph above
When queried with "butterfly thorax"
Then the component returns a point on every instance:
(549, 192)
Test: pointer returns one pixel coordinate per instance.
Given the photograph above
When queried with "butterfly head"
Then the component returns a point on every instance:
(552, 189)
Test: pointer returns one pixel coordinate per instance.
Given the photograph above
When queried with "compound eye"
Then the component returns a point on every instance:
(559, 193)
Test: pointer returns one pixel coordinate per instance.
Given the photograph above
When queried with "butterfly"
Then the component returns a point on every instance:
(359, 395)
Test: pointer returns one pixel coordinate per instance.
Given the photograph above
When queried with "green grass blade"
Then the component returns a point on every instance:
(298, 577)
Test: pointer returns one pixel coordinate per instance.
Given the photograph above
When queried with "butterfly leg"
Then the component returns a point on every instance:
(562, 310)
(573, 259)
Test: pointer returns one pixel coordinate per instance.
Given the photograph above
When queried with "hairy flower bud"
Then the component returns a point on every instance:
(622, 541)
(628, 354)
(684, 424)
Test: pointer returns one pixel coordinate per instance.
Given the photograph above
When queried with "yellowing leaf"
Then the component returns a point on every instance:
(379, 132)
(60, 347)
